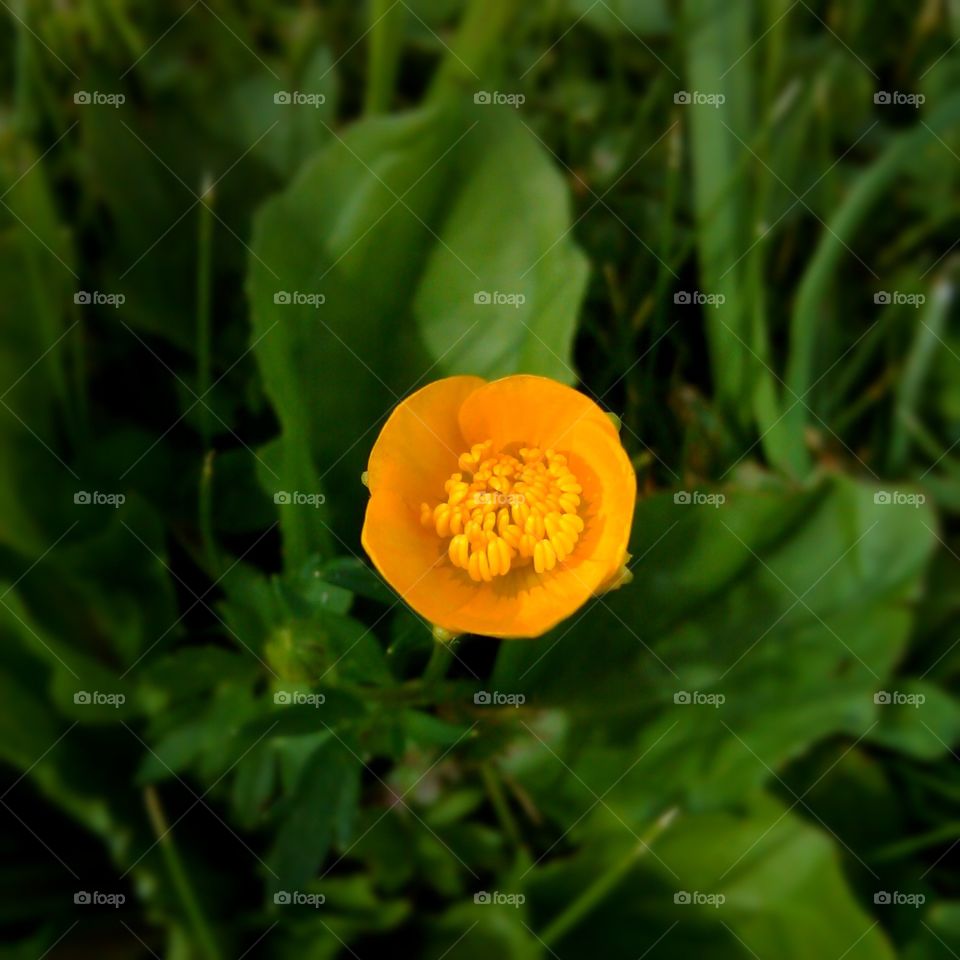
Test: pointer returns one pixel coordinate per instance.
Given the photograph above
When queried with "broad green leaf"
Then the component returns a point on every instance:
(688, 663)
(503, 286)
(363, 278)
(783, 894)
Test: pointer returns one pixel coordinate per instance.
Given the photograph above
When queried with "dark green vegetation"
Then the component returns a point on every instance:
(210, 706)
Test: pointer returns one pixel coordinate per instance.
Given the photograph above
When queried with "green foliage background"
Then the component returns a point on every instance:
(747, 752)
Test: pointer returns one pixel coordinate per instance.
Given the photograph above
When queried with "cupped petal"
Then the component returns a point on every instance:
(535, 410)
(418, 447)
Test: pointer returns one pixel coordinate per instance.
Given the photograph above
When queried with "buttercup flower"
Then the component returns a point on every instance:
(499, 508)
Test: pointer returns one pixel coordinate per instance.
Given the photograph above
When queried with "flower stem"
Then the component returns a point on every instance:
(204, 336)
(386, 36)
(185, 892)
(504, 814)
(204, 278)
(439, 661)
(602, 886)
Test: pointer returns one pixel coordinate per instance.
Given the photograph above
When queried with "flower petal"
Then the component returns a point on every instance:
(418, 447)
(533, 410)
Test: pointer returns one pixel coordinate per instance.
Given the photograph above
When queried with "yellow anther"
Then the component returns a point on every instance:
(502, 512)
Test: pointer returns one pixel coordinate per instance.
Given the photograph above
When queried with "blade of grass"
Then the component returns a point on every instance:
(716, 36)
(820, 274)
(601, 887)
(928, 338)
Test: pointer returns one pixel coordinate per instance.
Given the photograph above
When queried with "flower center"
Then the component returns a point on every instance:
(504, 512)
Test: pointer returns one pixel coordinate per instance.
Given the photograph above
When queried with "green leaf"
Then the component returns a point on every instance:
(322, 810)
(393, 225)
(918, 719)
(688, 665)
(783, 892)
(488, 253)
(623, 17)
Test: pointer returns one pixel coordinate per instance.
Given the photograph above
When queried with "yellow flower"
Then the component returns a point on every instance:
(499, 508)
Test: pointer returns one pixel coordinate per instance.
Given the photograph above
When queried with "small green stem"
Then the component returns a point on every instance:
(439, 661)
(204, 335)
(495, 790)
(205, 497)
(178, 876)
(602, 886)
(204, 283)
(479, 37)
(386, 37)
